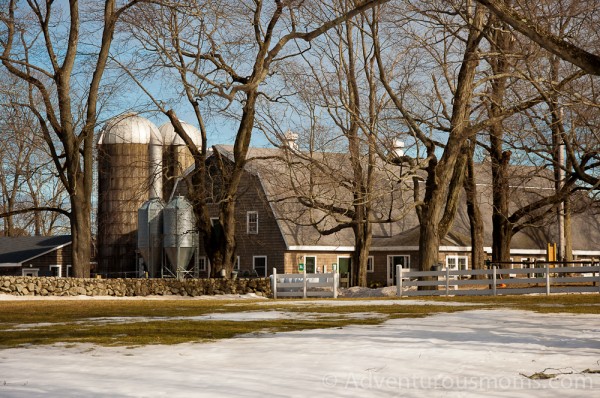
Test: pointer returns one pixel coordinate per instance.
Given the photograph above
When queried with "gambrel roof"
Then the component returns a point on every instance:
(394, 198)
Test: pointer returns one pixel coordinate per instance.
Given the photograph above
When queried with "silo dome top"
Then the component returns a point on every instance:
(129, 129)
(170, 137)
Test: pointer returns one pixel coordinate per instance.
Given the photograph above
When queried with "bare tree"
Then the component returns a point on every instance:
(518, 68)
(221, 54)
(444, 180)
(342, 169)
(42, 45)
(28, 182)
(465, 97)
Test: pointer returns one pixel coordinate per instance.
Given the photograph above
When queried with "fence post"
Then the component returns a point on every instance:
(335, 284)
(274, 283)
(304, 289)
(447, 280)
(399, 280)
(494, 280)
(547, 279)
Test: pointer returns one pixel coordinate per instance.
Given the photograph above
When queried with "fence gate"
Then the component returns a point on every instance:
(304, 285)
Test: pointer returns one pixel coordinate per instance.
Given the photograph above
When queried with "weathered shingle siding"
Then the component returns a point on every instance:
(61, 256)
(268, 241)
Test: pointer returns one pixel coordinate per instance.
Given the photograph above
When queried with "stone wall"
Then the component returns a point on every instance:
(52, 286)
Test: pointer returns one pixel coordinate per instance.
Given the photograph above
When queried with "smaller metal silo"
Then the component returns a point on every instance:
(150, 230)
(179, 240)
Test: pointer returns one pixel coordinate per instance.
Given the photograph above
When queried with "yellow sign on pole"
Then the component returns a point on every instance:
(551, 252)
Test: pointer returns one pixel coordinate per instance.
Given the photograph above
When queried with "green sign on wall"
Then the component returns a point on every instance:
(301, 267)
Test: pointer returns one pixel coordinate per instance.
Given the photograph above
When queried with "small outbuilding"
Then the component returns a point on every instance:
(36, 256)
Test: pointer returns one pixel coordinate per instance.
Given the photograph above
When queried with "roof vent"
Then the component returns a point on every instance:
(398, 148)
(289, 140)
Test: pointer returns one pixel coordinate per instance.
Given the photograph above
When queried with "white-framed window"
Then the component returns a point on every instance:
(202, 263)
(371, 264)
(68, 270)
(259, 264)
(457, 262)
(236, 266)
(214, 221)
(56, 270)
(252, 222)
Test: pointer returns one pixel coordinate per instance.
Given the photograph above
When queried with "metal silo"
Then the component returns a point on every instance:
(179, 236)
(176, 155)
(123, 185)
(150, 230)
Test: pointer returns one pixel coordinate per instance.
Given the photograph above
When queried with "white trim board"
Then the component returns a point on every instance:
(10, 265)
(487, 249)
(322, 248)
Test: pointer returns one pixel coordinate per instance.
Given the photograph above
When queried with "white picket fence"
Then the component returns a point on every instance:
(304, 285)
(497, 281)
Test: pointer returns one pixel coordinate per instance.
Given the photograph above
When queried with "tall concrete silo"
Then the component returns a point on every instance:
(123, 185)
(176, 155)
(179, 234)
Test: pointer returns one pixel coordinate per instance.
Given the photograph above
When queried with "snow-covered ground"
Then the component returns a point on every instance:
(467, 354)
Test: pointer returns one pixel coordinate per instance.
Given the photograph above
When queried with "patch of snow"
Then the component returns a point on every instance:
(354, 302)
(356, 291)
(222, 316)
(465, 354)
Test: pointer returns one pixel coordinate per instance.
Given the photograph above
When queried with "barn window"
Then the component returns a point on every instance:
(260, 265)
(252, 222)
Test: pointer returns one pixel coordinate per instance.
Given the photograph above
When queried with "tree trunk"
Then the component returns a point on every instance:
(360, 257)
(222, 248)
(475, 218)
(437, 191)
(229, 244)
(502, 229)
(429, 244)
(81, 235)
(8, 225)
